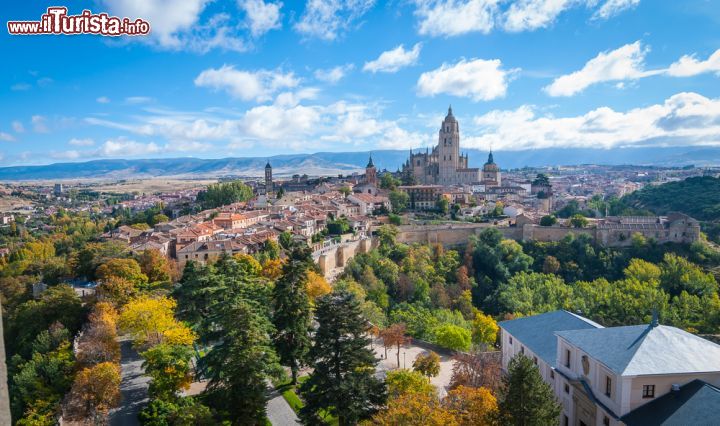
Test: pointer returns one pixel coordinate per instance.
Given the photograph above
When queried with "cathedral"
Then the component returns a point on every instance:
(445, 165)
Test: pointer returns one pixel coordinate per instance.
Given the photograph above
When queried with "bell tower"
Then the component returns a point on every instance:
(448, 148)
(268, 180)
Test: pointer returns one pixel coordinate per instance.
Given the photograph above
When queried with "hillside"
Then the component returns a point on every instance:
(332, 163)
(698, 197)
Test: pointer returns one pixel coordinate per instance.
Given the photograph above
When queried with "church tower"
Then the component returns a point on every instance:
(449, 149)
(491, 172)
(371, 173)
(268, 180)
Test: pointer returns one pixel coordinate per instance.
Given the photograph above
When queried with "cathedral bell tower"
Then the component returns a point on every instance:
(268, 180)
(449, 149)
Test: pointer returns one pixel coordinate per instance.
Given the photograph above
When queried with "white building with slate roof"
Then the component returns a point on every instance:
(602, 375)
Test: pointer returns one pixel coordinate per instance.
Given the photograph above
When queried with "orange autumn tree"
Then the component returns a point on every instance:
(395, 336)
(94, 392)
(414, 409)
(271, 269)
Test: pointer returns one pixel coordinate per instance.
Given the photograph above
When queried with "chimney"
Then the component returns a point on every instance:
(655, 320)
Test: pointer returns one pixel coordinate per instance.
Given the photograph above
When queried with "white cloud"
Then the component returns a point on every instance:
(623, 63)
(455, 17)
(261, 17)
(478, 79)
(6, 137)
(689, 65)
(135, 100)
(613, 7)
(290, 99)
(168, 18)
(39, 124)
(328, 19)
(447, 18)
(177, 25)
(103, 100)
(81, 142)
(394, 59)
(272, 122)
(528, 15)
(246, 85)
(66, 155)
(122, 147)
(20, 87)
(683, 119)
(333, 75)
(18, 127)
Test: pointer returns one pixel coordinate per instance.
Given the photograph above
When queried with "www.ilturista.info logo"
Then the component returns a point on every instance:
(57, 21)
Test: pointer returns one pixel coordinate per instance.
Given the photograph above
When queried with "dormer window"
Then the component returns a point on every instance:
(567, 358)
(608, 386)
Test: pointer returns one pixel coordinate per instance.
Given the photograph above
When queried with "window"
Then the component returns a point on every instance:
(535, 360)
(567, 358)
(566, 420)
(606, 421)
(567, 388)
(648, 391)
(608, 386)
(522, 350)
(552, 374)
(510, 337)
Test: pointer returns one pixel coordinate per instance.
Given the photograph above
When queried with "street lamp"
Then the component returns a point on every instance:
(404, 366)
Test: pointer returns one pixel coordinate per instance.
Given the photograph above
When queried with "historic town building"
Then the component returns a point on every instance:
(647, 374)
(445, 165)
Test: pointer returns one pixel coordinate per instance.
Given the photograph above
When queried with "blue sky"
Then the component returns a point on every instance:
(258, 78)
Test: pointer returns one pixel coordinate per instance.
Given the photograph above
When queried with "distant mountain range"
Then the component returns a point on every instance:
(332, 163)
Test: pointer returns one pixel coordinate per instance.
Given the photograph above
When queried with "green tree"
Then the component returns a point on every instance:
(527, 399)
(239, 366)
(169, 368)
(221, 194)
(343, 381)
(452, 337)
(442, 205)
(399, 201)
(291, 312)
(578, 221)
(389, 182)
(187, 411)
(548, 220)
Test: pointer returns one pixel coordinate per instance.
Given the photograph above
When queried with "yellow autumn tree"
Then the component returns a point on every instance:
(272, 269)
(317, 285)
(471, 406)
(414, 409)
(484, 329)
(248, 263)
(150, 320)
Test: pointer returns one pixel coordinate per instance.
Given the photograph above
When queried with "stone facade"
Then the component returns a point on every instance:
(444, 165)
(609, 232)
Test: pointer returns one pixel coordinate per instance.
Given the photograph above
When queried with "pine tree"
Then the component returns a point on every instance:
(527, 399)
(238, 367)
(291, 313)
(343, 382)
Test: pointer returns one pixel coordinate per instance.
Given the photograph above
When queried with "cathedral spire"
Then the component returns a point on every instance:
(450, 111)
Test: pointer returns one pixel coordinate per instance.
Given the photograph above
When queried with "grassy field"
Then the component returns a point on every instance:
(9, 203)
(151, 186)
(289, 392)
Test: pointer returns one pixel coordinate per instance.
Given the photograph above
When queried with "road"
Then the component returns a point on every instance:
(278, 410)
(134, 386)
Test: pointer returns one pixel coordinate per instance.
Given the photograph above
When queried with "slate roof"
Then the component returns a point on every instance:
(537, 332)
(696, 403)
(643, 349)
